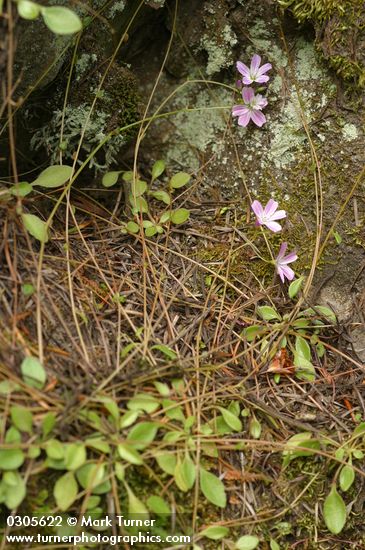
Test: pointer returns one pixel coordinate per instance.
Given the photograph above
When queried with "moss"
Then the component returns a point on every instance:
(117, 106)
(340, 32)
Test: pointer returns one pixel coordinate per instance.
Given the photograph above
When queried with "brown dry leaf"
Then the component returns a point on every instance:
(282, 364)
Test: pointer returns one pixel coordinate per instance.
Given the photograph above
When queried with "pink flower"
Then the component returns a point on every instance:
(267, 216)
(251, 110)
(282, 262)
(255, 73)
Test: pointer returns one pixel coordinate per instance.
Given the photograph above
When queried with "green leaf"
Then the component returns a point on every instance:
(22, 419)
(139, 204)
(128, 419)
(75, 456)
(179, 180)
(99, 444)
(231, 419)
(150, 231)
(162, 388)
(33, 372)
(251, 332)
(165, 217)
(305, 370)
(65, 491)
(179, 216)
(255, 428)
(11, 459)
(165, 350)
(22, 189)
(133, 227)
(12, 436)
(48, 423)
(91, 477)
(28, 289)
(324, 311)
(295, 286)
(61, 20)
(143, 402)
(162, 196)
(303, 439)
(142, 435)
(247, 542)
(158, 505)
(185, 473)
(158, 168)
(111, 406)
(268, 313)
(35, 227)
(347, 477)
(138, 187)
(136, 506)
(7, 387)
(55, 449)
(28, 10)
(302, 348)
(173, 410)
(110, 178)
(214, 532)
(16, 491)
(128, 453)
(337, 237)
(334, 512)
(167, 463)
(212, 488)
(128, 176)
(274, 545)
(54, 176)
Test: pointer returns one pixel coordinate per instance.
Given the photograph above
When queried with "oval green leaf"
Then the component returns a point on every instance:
(334, 512)
(179, 180)
(158, 168)
(214, 532)
(110, 179)
(61, 20)
(231, 419)
(28, 10)
(179, 216)
(247, 542)
(54, 176)
(65, 491)
(347, 477)
(33, 372)
(35, 227)
(212, 488)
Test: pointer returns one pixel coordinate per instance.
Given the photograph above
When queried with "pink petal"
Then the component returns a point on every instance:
(279, 215)
(282, 251)
(270, 208)
(247, 80)
(238, 110)
(242, 68)
(261, 101)
(273, 226)
(288, 272)
(262, 70)
(248, 94)
(257, 208)
(280, 273)
(255, 63)
(289, 258)
(244, 119)
(262, 78)
(258, 117)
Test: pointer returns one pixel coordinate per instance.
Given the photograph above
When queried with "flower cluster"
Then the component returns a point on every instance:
(252, 104)
(268, 217)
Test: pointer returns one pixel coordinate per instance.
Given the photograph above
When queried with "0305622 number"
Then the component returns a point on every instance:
(34, 521)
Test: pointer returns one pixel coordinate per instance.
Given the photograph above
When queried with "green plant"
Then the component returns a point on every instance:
(142, 196)
(302, 336)
(59, 19)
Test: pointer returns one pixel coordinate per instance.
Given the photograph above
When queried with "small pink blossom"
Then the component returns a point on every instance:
(282, 262)
(251, 109)
(267, 216)
(255, 73)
